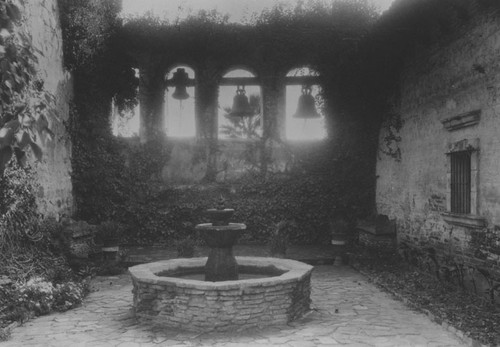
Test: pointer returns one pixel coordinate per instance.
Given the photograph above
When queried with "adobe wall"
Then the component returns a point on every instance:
(55, 193)
(455, 77)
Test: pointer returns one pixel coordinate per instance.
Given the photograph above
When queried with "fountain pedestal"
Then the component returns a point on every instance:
(221, 264)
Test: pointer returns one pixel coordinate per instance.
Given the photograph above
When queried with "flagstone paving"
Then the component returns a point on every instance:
(346, 311)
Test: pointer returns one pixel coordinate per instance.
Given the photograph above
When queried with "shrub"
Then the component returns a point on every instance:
(185, 248)
(109, 231)
(38, 296)
(280, 237)
(4, 334)
(68, 295)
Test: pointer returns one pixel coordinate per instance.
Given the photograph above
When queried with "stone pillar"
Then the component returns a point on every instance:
(206, 104)
(151, 101)
(273, 104)
(273, 111)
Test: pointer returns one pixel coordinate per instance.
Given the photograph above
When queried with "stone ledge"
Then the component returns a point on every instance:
(464, 220)
(463, 120)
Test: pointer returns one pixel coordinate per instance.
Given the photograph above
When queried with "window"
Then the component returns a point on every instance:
(460, 182)
(462, 187)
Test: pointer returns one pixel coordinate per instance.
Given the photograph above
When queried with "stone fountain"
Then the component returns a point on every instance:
(220, 236)
(221, 292)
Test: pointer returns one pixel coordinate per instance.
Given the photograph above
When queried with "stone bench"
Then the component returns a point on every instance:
(379, 233)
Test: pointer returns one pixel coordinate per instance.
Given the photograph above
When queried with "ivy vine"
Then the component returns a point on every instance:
(26, 107)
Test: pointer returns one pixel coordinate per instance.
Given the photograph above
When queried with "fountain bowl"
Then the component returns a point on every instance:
(219, 216)
(220, 235)
(197, 305)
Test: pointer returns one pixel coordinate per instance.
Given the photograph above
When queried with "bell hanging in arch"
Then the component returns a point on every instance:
(306, 108)
(180, 80)
(241, 106)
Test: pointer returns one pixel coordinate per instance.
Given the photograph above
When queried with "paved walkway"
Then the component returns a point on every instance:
(347, 311)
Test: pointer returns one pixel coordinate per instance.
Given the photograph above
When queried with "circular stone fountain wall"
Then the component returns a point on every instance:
(199, 305)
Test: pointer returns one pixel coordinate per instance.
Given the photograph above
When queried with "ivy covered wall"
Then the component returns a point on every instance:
(119, 180)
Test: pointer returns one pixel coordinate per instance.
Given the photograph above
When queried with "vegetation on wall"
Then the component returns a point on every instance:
(29, 262)
(118, 181)
(102, 73)
(25, 106)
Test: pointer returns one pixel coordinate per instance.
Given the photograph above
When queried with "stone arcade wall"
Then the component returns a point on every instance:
(55, 193)
(456, 77)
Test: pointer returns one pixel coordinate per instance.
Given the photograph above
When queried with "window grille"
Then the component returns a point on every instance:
(461, 182)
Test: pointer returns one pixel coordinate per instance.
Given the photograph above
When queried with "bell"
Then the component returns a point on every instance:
(180, 80)
(180, 93)
(307, 105)
(241, 106)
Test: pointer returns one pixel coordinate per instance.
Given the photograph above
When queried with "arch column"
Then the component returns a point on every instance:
(273, 106)
(273, 112)
(151, 100)
(206, 104)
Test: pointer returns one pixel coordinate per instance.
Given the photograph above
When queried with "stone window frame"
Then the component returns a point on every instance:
(473, 219)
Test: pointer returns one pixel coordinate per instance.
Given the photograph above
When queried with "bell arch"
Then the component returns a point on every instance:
(240, 105)
(304, 110)
(180, 94)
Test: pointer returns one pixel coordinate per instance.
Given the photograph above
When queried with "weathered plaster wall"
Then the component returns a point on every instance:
(55, 193)
(446, 80)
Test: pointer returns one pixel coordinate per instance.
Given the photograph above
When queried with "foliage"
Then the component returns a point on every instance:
(93, 51)
(26, 107)
(391, 126)
(185, 247)
(264, 41)
(244, 127)
(40, 296)
(307, 198)
(18, 209)
(147, 160)
(37, 296)
(278, 242)
(342, 224)
(109, 230)
(103, 72)
(99, 189)
(4, 334)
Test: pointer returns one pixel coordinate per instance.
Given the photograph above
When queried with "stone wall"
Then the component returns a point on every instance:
(457, 75)
(55, 193)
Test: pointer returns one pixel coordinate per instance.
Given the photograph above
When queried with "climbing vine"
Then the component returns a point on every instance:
(391, 138)
(26, 106)
(102, 72)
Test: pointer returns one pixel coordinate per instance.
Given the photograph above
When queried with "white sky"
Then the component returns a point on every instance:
(237, 9)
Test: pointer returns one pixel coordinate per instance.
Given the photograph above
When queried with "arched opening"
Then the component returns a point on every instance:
(180, 112)
(300, 125)
(234, 124)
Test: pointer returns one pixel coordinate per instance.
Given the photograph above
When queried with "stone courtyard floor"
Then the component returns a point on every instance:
(346, 311)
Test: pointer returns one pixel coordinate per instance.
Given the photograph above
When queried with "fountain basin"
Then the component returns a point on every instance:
(204, 306)
(220, 236)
